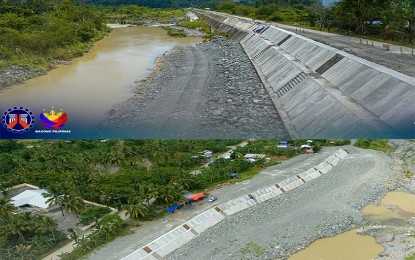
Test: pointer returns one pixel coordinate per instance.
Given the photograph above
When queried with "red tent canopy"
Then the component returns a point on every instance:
(196, 196)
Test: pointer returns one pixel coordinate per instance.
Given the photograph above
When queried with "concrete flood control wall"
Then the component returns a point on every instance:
(322, 92)
(182, 234)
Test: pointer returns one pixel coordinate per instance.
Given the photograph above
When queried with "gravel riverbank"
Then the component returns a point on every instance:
(206, 91)
(17, 75)
(324, 207)
(398, 235)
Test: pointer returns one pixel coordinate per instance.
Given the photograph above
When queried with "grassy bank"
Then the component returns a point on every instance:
(379, 145)
(36, 36)
(40, 35)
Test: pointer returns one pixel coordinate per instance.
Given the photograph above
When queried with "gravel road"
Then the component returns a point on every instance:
(206, 91)
(403, 62)
(321, 208)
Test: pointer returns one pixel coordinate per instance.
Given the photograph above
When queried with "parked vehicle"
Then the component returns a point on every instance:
(212, 199)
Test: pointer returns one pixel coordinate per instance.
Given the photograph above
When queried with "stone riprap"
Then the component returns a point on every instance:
(323, 92)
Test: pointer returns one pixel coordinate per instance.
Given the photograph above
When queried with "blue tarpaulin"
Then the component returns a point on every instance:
(173, 208)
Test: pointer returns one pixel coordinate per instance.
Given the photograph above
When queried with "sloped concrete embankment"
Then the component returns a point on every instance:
(184, 233)
(320, 91)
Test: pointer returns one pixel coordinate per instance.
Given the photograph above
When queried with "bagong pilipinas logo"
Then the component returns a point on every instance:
(18, 120)
(53, 120)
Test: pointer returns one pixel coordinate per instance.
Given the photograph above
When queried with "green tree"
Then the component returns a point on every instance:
(169, 194)
(14, 226)
(6, 207)
(109, 226)
(55, 195)
(406, 14)
(45, 225)
(73, 204)
(137, 210)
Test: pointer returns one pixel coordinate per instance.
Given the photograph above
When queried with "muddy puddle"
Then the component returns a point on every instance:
(346, 246)
(396, 208)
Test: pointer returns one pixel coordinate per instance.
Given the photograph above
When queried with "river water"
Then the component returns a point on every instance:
(87, 88)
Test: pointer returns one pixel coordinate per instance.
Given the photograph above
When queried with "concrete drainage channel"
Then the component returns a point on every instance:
(181, 235)
(320, 91)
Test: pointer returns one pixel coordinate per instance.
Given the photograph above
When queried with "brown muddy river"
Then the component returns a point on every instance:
(88, 87)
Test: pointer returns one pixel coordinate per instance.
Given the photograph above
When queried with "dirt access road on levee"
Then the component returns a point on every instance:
(206, 91)
(324, 207)
(403, 62)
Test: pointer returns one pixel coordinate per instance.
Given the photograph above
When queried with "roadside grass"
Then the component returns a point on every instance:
(242, 176)
(411, 257)
(408, 174)
(252, 172)
(379, 145)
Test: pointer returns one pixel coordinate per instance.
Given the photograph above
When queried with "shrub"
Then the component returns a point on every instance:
(90, 214)
(379, 145)
(176, 33)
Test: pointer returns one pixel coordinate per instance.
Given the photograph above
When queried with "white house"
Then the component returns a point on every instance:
(30, 198)
(253, 157)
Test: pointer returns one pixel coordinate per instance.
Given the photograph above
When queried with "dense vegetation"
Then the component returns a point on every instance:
(91, 214)
(138, 14)
(151, 3)
(38, 32)
(121, 173)
(25, 235)
(386, 19)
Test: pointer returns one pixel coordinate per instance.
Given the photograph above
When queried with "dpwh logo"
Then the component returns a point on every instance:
(18, 120)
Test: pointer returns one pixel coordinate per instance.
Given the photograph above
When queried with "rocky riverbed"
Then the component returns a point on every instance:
(286, 224)
(16, 75)
(398, 237)
(206, 91)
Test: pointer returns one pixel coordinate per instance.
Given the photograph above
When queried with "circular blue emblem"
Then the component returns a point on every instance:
(18, 119)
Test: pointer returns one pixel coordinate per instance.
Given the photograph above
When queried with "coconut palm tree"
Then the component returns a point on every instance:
(45, 225)
(6, 207)
(137, 210)
(14, 226)
(73, 204)
(169, 194)
(109, 226)
(55, 195)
